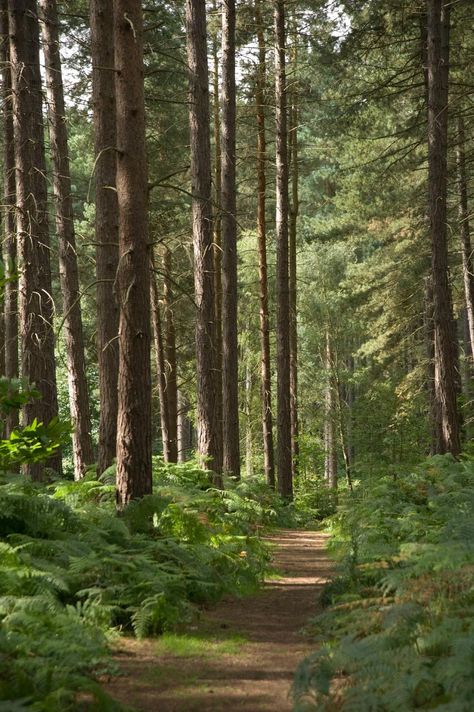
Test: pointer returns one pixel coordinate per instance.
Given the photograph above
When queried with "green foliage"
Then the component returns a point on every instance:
(29, 443)
(72, 572)
(399, 633)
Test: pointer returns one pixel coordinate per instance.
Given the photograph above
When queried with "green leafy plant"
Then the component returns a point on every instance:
(399, 632)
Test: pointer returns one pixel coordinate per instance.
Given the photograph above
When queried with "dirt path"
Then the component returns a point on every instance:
(249, 650)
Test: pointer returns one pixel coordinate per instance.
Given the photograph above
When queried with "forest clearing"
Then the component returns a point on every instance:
(236, 356)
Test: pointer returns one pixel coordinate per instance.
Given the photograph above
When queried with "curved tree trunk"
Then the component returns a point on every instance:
(83, 452)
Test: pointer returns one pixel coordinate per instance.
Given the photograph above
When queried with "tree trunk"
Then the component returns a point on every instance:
(35, 304)
(217, 227)
(285, 480)
(294, 209)
(106, 224)
(9, 196)
(230, 367)
(330, 440)
(68, 273)
(134, 478)
(463, 212)
(185, 429)
(248, 420)
(435, 413)
(170, 358)
(209, 427)
(446, 378)
(267, 418)
(160, 366)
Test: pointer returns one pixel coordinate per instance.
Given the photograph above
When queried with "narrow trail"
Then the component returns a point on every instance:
(251, 673)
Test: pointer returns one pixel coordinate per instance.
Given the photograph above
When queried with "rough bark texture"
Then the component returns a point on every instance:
(9, 197)
(230, 368)
(170, 358)
(133, 277)
(294, 209)
(266, 376)
(330, 440)
(446, 379)
(248, 419)
(209, 427)
(465, 234)
(217, 226)
(35, 303)
(185, 429)
(435, 413)
(83, 452)
(160, 366)
(285, 480)
(106, 223)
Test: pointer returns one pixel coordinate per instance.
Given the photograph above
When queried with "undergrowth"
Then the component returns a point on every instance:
(73, 574)
(399, 630)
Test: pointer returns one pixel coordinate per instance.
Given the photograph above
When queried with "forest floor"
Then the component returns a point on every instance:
(242, 654)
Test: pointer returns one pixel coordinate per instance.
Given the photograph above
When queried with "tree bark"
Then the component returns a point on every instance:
(160, 366)
(185, 429)
(106, 224)
(83, 452)
(9, 197)
(248, 420)
(134, 477)
(209, 427)
(285, 480)
(35, 304)
(293, 221)
(465, 234)
(230, 368)
(330, 440)
(446, 378)
(267, 418)
(217, 226)
(170, 358)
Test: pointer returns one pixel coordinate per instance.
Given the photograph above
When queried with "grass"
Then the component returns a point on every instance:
(189, 646)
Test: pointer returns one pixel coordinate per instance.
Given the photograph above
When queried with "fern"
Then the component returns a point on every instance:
(405, 637)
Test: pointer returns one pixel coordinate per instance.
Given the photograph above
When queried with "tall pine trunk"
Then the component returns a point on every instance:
(217, 225)
(463, 213)
(293, 221)
(36, 306)
(230, 369)
(170, 357)
(83, 452)
(9, 196)
(330, 439)
(134, 477)
(446, 377)
(266, 378)
(160, 365)
(185, 428)
(285, 479)
(209, 427)
(106, 224)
